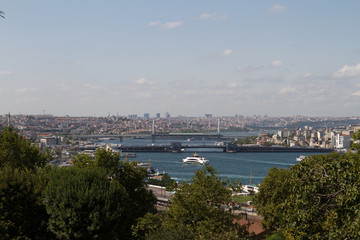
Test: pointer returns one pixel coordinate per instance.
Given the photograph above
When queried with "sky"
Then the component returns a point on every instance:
(189, 58)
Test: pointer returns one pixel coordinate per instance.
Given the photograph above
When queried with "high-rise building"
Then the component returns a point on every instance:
(158, 115)
(147, 115)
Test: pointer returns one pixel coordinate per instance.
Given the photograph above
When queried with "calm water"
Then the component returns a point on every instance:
(231, 165)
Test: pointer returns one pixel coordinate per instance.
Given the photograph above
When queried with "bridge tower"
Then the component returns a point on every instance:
(153, 132)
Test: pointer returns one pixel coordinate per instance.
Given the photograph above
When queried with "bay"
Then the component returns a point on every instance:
(236, 166)
(241, 166)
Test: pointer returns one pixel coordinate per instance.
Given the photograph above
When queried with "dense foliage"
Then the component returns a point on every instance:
(22, 213)
(84, 204)
(98, 198)
(199, 209)
(316, 199)
(17, 152)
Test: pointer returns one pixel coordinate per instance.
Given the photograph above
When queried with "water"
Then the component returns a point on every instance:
(229, 165)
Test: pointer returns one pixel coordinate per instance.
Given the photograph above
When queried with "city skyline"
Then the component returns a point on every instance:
(85, 58)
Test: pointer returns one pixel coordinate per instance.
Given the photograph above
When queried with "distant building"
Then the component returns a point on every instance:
(49, 141)
(342, 141)
(208, 115)
(147, 115)
(167, 115)
(158, 115)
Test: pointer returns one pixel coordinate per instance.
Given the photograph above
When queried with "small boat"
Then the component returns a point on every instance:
(196, 159)
(300, 158)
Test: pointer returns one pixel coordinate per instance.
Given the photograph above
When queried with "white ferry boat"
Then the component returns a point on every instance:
(196, 159)
(300, 158)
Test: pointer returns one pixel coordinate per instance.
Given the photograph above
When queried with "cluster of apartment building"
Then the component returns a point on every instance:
(337, 138)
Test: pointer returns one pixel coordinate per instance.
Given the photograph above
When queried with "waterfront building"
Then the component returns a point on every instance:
(342, 141)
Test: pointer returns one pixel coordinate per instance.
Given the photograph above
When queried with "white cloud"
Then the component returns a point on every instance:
(286, 90)
(144, 81)
(226, 52)
(154, 23)
(167, 25)
(5, 72)
(78, 62)
(171, 25)
(277, 8)
(347, 72)
(213, 17)
(277, 63)
(356, 94)
(306, 75)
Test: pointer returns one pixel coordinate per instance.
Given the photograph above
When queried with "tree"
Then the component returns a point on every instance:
(107, 159)
(17, 152)
(199, 207)
(322, 200)
(2, 14)
(272, 192)
(22, 213)
(83, 203)
(356, 144)
(83, 160)
(132, 178)
(141, 200)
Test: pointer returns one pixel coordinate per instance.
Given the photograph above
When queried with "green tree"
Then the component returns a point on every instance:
(141, 200)
(200, 206)
(356, 144)
(132, 178)
(272, 192)
(83, 203)
(17, 152)
(22, 213)
(322, 199)
(83, 160)
(107, 159)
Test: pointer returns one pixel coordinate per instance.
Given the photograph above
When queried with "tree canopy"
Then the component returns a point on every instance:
(84, 204)
(22, 213)
(98, 198)
(200, 209)
(17, 152)
(316, 199)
